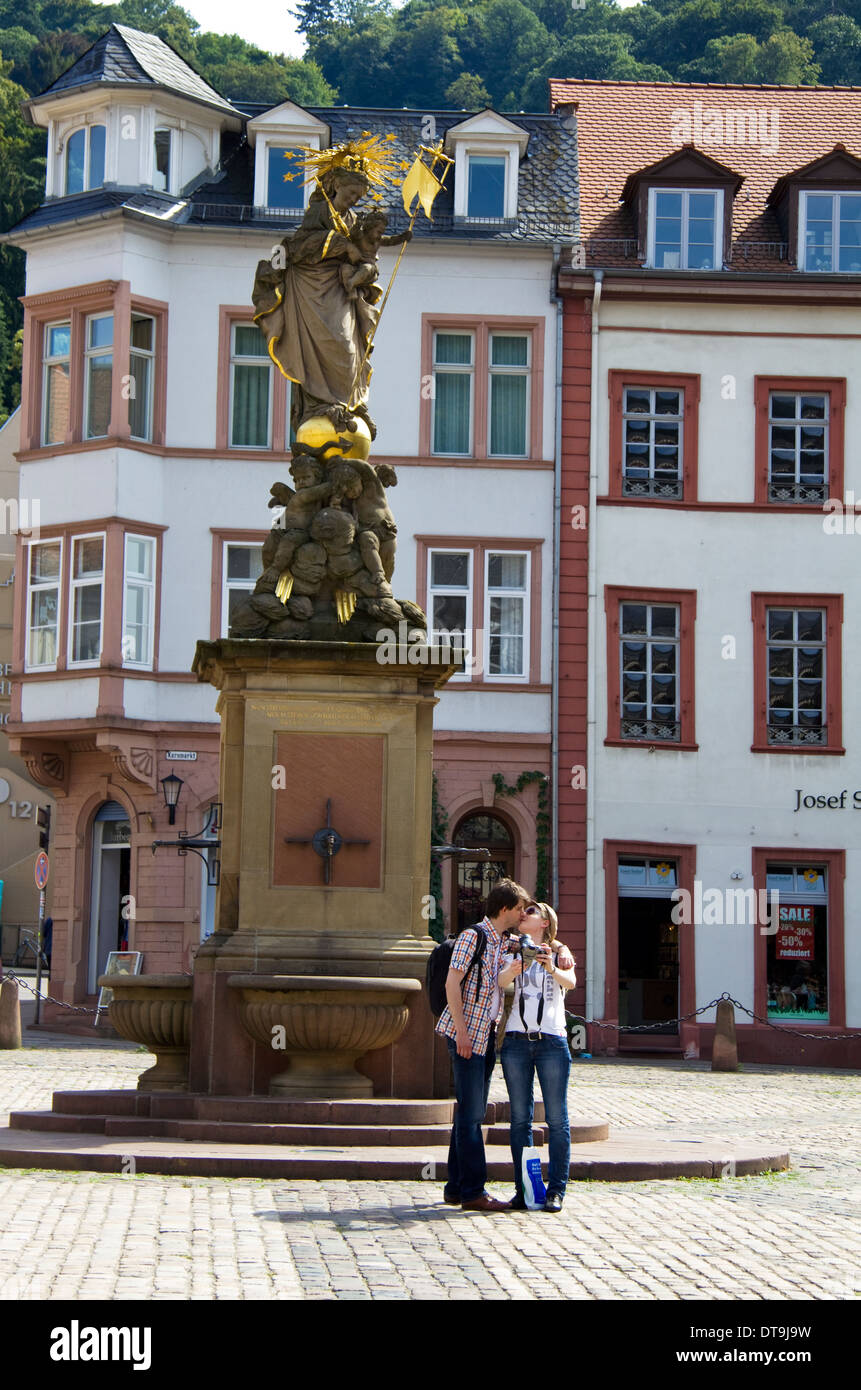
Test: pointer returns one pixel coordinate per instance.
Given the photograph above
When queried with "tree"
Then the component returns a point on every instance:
(504, 41)
(23, 163)
(836, 43)
(590, 56)
(467, 93)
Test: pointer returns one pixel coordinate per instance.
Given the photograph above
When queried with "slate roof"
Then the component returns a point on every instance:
(624, 126)
(547, 187)
(127, 57)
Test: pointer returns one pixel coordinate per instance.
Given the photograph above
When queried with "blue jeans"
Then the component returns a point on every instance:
(521, 1059)
(467, 1164)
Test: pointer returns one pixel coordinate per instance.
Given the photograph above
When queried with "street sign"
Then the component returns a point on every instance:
(40, 870)
(176, 756)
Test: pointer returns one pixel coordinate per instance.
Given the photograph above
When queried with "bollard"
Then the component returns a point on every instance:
(10, 1015)
(725, 1047)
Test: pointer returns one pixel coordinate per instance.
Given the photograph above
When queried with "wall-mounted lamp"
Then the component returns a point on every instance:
(171, 786)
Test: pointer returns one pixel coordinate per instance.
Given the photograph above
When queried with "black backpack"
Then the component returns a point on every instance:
(439, 962)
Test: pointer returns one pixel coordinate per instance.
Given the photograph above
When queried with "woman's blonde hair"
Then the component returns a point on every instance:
(550, 920)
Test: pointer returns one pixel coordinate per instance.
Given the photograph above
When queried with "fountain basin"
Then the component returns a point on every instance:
(154, 1010)
(323, 1024)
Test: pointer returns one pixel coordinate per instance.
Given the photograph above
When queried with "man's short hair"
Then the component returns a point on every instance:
(505, 894)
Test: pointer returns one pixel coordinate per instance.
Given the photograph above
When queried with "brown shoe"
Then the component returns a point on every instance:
(485, 1203)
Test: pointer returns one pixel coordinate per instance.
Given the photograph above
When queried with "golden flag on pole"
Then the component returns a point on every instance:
(422, 184)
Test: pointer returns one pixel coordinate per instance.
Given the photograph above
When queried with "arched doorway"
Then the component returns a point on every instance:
(474, 878)
(110, 888)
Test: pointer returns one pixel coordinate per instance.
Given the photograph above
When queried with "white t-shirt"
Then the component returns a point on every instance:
(530, 986)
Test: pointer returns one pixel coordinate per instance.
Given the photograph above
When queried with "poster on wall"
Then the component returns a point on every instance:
(795, 934)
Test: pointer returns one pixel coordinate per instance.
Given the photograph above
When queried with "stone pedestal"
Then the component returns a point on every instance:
(315, 732)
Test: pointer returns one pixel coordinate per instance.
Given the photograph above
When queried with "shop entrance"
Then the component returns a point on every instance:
(110, 888)
(648, 954)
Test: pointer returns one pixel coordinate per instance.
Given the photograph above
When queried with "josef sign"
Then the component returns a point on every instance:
(795, 933)
(835, 801)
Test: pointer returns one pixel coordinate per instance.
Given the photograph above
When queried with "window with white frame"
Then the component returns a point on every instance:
(161, 160)
(142, 373)
(796, 675)
(138, 601)
(652, 426)
(508, 424)
(454, 372)
(98, 374)
(85, 159)
(56, 382)
(285, 177)
(242, 566)
(649, 671)
(485, 197)
(797, 446)
(250, 388)
(87, 600)
(43, 604)
(829, 232)
(685, 229)
(450, 601)
(506, 615)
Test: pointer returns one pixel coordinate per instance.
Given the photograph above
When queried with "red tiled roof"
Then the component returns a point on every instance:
(623, 127)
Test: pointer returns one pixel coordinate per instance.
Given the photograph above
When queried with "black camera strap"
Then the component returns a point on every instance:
(523, 1007)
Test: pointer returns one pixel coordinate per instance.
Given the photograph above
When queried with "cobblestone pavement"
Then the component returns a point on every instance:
(91, 1236)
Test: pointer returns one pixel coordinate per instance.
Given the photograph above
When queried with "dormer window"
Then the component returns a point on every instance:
(85, 159)
(486, 193)
(285, 178)
(487, 150)
(829, 231)
(685, 228)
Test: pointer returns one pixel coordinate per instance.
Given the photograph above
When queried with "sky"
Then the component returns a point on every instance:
(260, 22)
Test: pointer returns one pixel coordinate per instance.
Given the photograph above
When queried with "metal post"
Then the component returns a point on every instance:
(39, 954)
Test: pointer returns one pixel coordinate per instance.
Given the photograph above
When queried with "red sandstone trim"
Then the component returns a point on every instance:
(689, 385)
(835, 389)
(483, 326)
(686, 599)
(686, 855)
(480, 545)
(833, 605)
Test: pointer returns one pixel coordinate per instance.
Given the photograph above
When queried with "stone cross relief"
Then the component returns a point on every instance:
(326, 842)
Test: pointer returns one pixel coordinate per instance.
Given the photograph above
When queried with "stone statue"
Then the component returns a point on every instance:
(329, 559)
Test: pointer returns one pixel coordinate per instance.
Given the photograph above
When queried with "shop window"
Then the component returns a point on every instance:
(797, 952)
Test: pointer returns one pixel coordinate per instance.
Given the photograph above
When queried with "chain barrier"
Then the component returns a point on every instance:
(668, 1023)
(47, 998)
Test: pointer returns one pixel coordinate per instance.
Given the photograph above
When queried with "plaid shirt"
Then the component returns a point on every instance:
(480, 1006)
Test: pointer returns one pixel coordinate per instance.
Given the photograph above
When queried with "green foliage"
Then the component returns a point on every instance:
(21, 187)
(542, 823)
(836, 43)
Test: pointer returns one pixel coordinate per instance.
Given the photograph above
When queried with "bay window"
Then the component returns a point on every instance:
(87, 600)
(98, 373)
(138, 600)
(142, 374)
(85, 159)
(43, 604)
(56, 393)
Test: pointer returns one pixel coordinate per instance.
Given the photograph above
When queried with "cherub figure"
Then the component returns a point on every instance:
(364, 485)
(335, 531)
(313, 491)
(368, 234)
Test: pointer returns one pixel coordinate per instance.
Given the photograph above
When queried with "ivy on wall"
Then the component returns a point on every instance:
(542, 822)
(439, 836)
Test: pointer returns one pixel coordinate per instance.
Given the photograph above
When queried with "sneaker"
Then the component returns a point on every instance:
(553, 1202)
(517, 1203)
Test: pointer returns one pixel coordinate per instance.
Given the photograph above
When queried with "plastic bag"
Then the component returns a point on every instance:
(534, 1190)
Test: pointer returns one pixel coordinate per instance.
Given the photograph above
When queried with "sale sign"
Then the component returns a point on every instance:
(795, 933)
